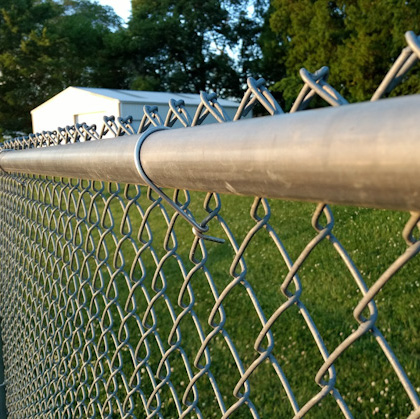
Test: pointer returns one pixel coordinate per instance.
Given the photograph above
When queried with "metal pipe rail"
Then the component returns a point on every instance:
(365, 154)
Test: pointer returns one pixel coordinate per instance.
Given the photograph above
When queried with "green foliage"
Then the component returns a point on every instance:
(190, 45)
(357, 39)
(46, 46)
(180, 46)
(185, 45)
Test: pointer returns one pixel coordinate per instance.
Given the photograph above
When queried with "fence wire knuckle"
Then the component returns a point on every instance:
(257, 92)
(316, 84)
(116, 302)
(407, 59)
(178, 112)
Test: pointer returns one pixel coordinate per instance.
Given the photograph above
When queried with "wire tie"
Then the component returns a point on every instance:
(198, 229)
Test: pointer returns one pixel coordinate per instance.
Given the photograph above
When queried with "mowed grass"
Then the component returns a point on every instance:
(365, 378)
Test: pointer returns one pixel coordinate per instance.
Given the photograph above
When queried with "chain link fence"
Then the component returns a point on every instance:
(111, 307)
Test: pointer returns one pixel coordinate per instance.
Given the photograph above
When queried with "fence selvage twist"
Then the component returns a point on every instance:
(122, 294)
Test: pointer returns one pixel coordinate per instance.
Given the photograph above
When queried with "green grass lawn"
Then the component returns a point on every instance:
(372, 238)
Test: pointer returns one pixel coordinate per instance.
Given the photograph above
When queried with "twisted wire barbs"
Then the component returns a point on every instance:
(177, 112)
(80, 134)
(38, 140)
(209, 106)
(323, 232)
(61, 136)
(109, 126)
(72, 133)
(86, 132)
(413, 42)
(409, 56)
(257, 93)
(125, 125)
(316, 83)
(50, 138)
(32, 141)
(151, 118)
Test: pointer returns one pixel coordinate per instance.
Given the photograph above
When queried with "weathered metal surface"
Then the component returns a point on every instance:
(109, 307)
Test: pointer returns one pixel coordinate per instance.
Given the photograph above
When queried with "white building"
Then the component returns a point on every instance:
(84, 104)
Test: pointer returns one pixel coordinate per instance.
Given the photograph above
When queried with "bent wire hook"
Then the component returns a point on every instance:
(197, 229)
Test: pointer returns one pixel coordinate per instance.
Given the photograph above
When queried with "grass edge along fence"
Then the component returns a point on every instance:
(120, 302)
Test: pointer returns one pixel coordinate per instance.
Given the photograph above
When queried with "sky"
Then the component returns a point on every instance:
(122, 7)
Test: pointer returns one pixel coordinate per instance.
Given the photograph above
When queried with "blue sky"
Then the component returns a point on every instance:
(122, 7)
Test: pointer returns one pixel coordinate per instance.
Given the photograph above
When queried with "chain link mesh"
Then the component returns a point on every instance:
(111, 307)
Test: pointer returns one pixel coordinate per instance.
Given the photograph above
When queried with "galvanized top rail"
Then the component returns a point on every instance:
(365, 154)
(105, 312)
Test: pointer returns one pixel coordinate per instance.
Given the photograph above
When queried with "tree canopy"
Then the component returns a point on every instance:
(46, 46)
(191, 45)
(357, 39)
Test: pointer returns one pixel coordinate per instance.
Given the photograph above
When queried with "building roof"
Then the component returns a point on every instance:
(138, 96)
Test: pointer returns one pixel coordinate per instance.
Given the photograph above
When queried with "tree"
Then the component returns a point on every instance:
(45, 46)
(190, 45)
(357, 39)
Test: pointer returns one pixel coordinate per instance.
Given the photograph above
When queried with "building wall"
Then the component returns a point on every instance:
(73, 106)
